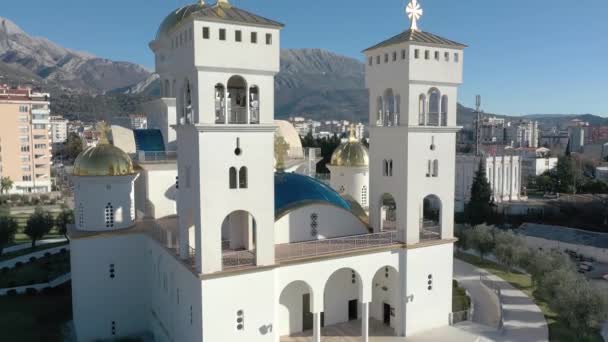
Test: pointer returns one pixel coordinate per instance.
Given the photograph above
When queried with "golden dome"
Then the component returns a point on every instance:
(103, 160)
(351, 153)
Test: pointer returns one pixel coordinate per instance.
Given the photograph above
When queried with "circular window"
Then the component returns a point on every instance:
(238, 151)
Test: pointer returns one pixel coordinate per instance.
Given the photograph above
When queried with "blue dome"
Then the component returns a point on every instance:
(292, 190)
(149, 140)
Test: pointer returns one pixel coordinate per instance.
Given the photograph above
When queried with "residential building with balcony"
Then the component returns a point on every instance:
(211, 243)
(59, 129)
(25, 145)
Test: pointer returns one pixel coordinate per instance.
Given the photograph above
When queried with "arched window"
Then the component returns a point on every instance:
(422, 110)
(397, 110)
(232, 176)
(220, 104)
(364, 196)
(444, 110)
(379, 111)
(436, 168)
(243, 178)
(430, 222)
(254, 105)
(434, 106)
(109, 213)
(389, 108)
(187, 103)
(429, 168)
(385, 167)
(236, 103)
(390, 168)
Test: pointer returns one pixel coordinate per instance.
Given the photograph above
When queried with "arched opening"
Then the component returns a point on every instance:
(444, 110)
(232, 178)
(254, 105)
(238, 239)
(384, 308)
(295, 309)
(389, 108)
(237, 100)
(220, 104)
(388, 213)
(435, 168)
(187, 103)
(422, 110)
(434, 106)
(390, 168)
(430, 225)
(379, 111)
(397, 110)
(243, 178)
(341, 301)
(385, 167)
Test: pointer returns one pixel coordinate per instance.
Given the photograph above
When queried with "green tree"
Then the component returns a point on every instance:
(65, 218)
(479, 208)
(8, 228)
(481, 239)
(6, 184)
(73, 146)
(510, 249)
(565, 174)
(38, 225)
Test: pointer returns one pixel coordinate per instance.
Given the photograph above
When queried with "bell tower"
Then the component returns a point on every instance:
(413, 81)
(222, 61)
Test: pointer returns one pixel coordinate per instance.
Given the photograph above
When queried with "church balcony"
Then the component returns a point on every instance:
(430, 230)
(309, 249)
(151, 157)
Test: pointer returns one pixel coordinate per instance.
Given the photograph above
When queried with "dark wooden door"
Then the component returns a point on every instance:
(387, 314)
(352, 310)
(307, 317)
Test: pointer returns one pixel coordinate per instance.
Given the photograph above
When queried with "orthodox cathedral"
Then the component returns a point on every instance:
(221, 242)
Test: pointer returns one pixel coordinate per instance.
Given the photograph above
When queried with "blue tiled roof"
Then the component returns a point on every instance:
(292, 190)
(149, 140)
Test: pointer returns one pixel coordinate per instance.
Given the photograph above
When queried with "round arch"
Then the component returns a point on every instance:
(384, 307)
(238, 231)
(342, 296)
(296, 304)
(430, 227)
(219, 98)
(444, 110)
(388, 212)
(236, 101)
(254, 104)
(389, 108)
(434, 106)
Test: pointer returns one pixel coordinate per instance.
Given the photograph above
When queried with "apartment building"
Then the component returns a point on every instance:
(59, 129)
(25, 146)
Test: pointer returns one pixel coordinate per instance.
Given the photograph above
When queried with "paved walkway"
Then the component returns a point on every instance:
(22, 246)
(26, 258)
(485, 302)
(523, 321)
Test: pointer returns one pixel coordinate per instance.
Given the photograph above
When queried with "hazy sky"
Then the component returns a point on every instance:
(539, 56)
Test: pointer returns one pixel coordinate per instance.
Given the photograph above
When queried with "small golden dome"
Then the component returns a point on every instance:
(103, 160)
(351, 153)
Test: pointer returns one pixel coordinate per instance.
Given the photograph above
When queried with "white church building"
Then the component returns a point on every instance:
(219, 246)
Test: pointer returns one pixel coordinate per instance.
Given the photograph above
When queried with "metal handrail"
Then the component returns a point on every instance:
(236, 259)
(327, 246)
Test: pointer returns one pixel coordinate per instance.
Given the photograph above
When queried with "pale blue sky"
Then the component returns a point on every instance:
(539, 56)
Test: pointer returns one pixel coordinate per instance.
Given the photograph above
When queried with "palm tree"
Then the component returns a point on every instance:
(6, 184)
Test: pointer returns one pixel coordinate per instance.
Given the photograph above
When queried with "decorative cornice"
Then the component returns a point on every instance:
(236, 71)
(421, 129)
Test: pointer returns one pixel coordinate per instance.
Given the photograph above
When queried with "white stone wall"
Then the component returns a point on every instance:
(351, 181)
(332, 222)
(92, 195)
(156, 195)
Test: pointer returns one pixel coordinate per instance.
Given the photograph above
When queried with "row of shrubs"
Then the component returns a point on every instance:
(46, 265)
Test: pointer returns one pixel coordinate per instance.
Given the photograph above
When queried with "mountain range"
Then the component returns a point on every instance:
(313, 83)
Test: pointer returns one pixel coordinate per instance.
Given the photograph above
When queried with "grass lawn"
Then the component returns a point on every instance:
(35, 318)
(11, 255)
(40, 271)
(558, 329)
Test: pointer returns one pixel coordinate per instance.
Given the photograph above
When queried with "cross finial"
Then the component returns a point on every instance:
(103, 130)
(281, 147)
(414, 12)
(353, 133)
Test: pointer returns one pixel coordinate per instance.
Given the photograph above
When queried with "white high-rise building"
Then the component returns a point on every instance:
(59, 129)
(216, 246)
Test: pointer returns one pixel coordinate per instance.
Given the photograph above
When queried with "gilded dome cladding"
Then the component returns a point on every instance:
(103, 160)
(351, 153)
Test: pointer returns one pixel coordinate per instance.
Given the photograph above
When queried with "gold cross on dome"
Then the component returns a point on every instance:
(353, 132)
(414, 12)
(281, 147)
(103, 130)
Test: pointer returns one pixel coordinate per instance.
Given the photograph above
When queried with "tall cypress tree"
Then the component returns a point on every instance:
(479, 208)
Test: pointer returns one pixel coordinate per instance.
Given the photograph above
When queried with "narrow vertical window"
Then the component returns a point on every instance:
(232, 176)
(427, 54)
(268, 39)
(456, 57)
(109, 213)
(429, 168)
(371, 61)
(390, 168)
(403, 54)
(446, 56)
(416, 53)
(205, 32)
(394, 56)
(436, 168)
(222, 34)
(254, 37)
(243, 178)
(386, 58)
(437, 55)
(238, 35)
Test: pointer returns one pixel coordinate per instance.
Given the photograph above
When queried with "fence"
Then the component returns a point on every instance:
(321, 247)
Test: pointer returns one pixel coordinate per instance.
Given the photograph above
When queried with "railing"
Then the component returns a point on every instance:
(328, 246)
(430, 231)
(156, 156)
(460, 316)
(237, 259)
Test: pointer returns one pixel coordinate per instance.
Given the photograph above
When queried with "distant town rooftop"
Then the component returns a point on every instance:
(566, 235)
